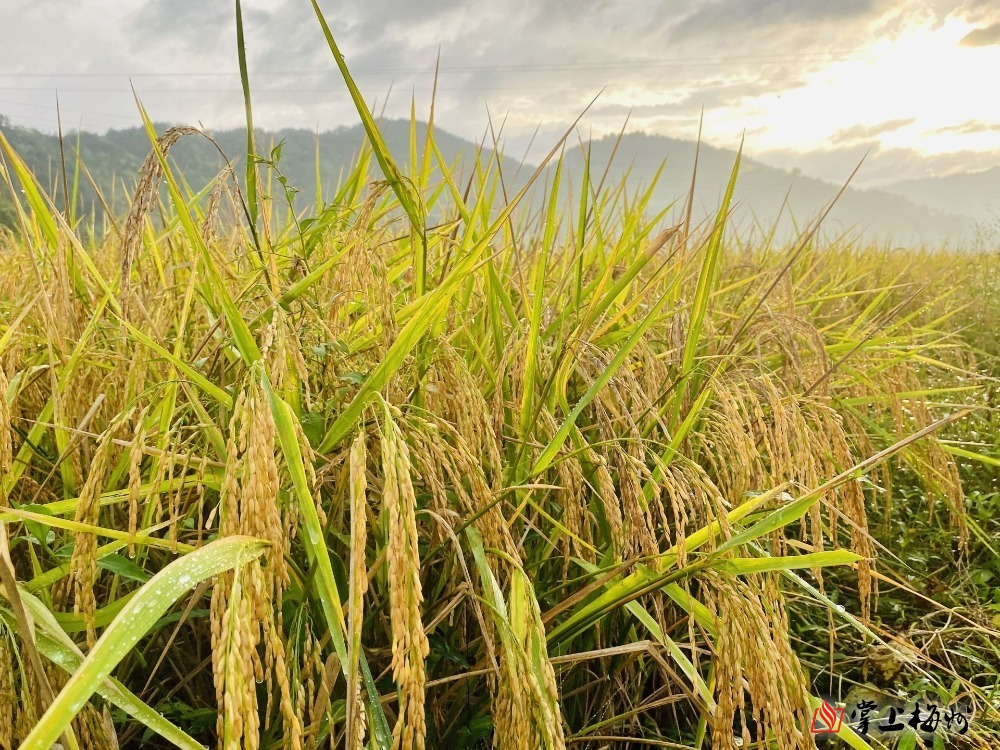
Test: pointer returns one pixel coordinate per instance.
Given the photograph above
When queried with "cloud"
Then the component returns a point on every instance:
(969, 127)
(191, 26)
(984, 36)
(534, 64)
(538, 61)
(747, 16)
(974, 11)
(868, 132)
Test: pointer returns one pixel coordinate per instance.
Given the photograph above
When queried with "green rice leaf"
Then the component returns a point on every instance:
(136, 618)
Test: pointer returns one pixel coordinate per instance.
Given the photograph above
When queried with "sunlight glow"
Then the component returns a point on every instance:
(924, 76)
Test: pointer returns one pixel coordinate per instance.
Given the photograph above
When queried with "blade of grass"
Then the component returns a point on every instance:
(136, 618)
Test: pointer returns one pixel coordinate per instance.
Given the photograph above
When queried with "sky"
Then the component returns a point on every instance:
(809, 84)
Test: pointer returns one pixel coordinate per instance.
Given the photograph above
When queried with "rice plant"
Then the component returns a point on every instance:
(526, 474)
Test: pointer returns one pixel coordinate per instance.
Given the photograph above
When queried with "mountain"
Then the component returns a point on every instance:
(976, 194)
(113, 159)
(766, 197)
(761, 191)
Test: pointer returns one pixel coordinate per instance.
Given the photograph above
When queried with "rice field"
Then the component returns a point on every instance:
(517, 477)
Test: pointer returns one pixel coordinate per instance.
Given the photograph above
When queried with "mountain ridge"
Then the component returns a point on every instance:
(976, 194)
(767, 198)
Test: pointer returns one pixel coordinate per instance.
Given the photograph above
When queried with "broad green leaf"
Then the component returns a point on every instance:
(647, 577)
(135, 620)
(748, 565)
(60, 649)
(971, 455)
(403, 192)
(251, 151)
(196, 377)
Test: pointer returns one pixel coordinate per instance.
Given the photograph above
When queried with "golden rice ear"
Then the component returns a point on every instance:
(210, 224)
(8, 695)
(233, 662)
(526, 702)
(135, 478)
(357, 586)
(82, 577)
(409, 642)
(244, 618)
(94, 729)
(576, 516)
(233, 634)
(6, 433)
(142, 201)
(26, 714)
(541, 675)
(364, 291)
(782, 437)
(445, 463)
(319, 709)
(752, 648)
(610, 503)
(936, 469)
(452, 395)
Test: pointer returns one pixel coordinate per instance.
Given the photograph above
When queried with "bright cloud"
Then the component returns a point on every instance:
(810, 83)
(925, 78)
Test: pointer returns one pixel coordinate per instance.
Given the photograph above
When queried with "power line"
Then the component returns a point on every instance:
(236, 91)
(815, 57)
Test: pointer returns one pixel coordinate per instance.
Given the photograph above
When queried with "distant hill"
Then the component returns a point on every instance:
(761, 192)
(976, 194)
(114, 158)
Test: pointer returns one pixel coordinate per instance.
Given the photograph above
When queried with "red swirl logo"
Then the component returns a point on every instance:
(827, 719)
